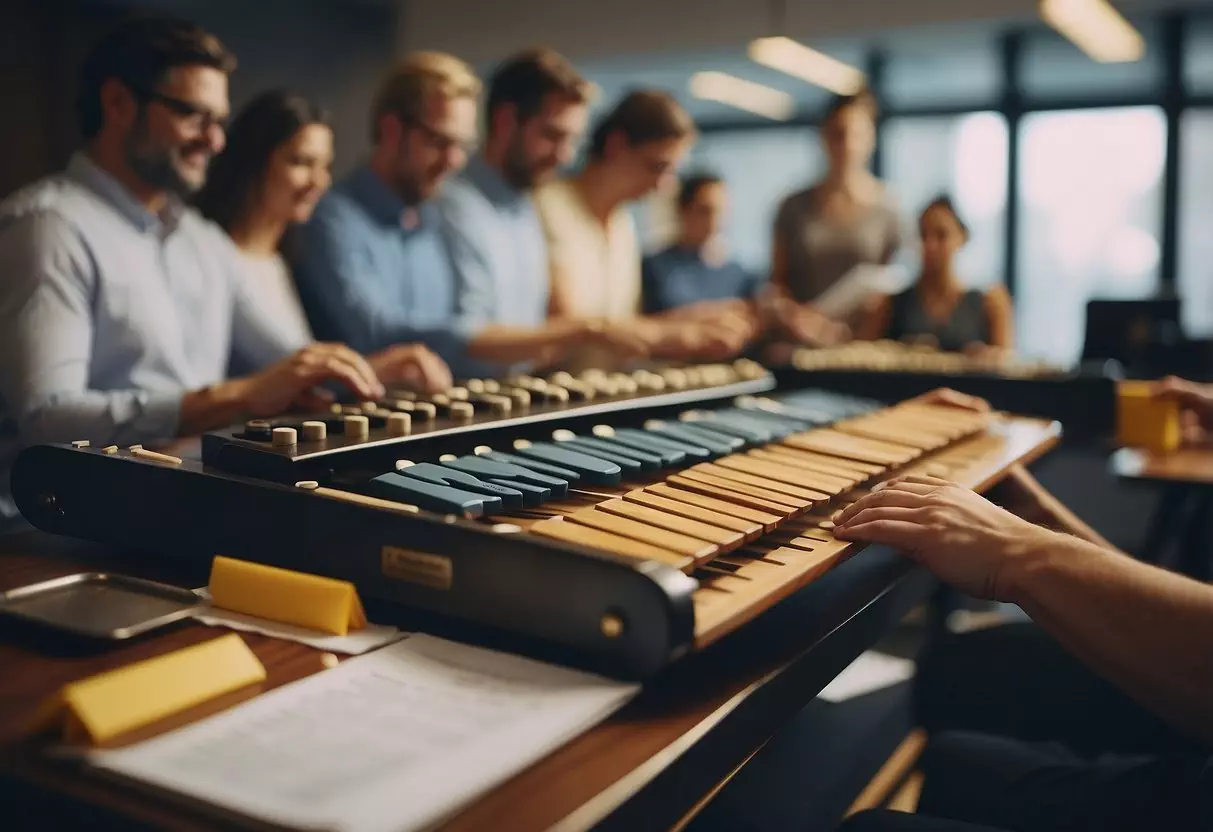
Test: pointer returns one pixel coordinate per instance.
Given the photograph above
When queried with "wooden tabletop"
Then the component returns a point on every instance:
(647, 765)
(1186, 465)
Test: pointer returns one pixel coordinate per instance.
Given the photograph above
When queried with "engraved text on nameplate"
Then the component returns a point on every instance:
(429, 570)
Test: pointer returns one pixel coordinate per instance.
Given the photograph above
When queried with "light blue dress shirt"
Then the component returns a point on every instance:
(373, 272)
(498, 249)
(110, 314)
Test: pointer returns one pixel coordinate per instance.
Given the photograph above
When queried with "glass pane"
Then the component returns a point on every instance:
(966, 158)
(1054, 67)
(1195, 263)
(760, 167)
(943, 72)
(1090, 191)
(1198, 56)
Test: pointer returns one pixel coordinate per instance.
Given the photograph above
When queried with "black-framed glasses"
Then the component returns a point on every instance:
(443, 142)
(195, 115)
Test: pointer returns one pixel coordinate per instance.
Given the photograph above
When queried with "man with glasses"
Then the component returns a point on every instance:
(120, 308)
(374, 264)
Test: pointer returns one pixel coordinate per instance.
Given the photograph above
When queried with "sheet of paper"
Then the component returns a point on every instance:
(850, 292)
(870, 672)
(353, 644)
(356, 643)
(394, 740)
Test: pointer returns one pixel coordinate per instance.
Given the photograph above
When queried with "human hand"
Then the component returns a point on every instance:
(964, 539)
(953, 398)
(1195, 403)
(414, 366)
(294, 380)
(682, 340)
(814, 329)
(624, 338)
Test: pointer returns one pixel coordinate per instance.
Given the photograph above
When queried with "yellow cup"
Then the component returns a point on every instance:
(1143, 421)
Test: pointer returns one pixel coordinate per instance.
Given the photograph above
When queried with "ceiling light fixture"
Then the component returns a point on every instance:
(1096, 28)
(744, 95)
(800, 61)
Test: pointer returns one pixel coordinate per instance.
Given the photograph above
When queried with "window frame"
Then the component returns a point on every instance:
(1013, 104)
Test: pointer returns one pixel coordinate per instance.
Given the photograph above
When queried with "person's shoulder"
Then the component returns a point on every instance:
(56, 200)
(553, 196)
(800, 201)
(461, 199)
(661, 257)
(339, 210)
(995, 295)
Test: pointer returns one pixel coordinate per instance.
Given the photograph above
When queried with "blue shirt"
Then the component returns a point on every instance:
(373, 272)
(679, 277)
(498, 250)
(110, 314)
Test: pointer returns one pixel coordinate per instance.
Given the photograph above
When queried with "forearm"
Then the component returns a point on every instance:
(117, 417)
(1147, 630)
(1023, 495)
(509, 344)
(212, 407)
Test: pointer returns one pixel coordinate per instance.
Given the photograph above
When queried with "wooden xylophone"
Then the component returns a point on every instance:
(620, 539)
(1084, 401)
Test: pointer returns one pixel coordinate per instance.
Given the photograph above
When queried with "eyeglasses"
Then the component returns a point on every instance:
(196, 116)
(443, 142)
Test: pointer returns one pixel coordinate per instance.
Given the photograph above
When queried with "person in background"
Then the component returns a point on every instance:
(536, 113)
(937, 309)
(274, 169)
(120, 307)
(824, 232)
(634, 150)
(695, 273)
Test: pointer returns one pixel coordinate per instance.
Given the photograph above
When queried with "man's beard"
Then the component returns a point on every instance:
(521, 172)
(157, 166)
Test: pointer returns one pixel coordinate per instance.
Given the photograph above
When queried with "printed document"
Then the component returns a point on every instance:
(397, 739)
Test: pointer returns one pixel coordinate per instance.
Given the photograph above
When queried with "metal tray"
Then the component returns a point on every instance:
(99, 604)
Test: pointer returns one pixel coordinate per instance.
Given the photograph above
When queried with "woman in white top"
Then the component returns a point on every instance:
(275, 167)
(592, 240)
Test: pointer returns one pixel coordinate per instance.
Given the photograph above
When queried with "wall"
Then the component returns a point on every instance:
(481, 31)
(332, 50)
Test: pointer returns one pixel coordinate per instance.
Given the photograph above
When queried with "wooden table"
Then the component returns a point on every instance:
(648, 766)
(1178, 532)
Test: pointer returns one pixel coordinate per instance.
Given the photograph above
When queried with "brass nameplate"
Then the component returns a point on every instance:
(429, 570)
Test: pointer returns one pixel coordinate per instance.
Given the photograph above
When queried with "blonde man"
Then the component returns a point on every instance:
(371, 263)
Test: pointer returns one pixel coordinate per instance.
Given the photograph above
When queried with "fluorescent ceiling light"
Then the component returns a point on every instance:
(799, 61)
(1096, 28)
(743, 94)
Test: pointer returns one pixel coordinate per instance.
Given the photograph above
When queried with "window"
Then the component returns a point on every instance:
(966, 157)
(1198, 56)
(760, 168)
(1194, 280)
(1053, 67)
(1090, 190)
(943, 69)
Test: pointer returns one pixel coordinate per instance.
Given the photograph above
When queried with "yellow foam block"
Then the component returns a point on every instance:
(285, 596)
(1143, 421)
(109, 704)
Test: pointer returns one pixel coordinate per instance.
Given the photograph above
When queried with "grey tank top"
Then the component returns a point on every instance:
(821, 250)
(967, 324)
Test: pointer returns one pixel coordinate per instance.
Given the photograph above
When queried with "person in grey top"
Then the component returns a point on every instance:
(846, 220)
(119, 306)
(937, 310)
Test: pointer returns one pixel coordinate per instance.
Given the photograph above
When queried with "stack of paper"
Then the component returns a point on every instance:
(394, 740)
